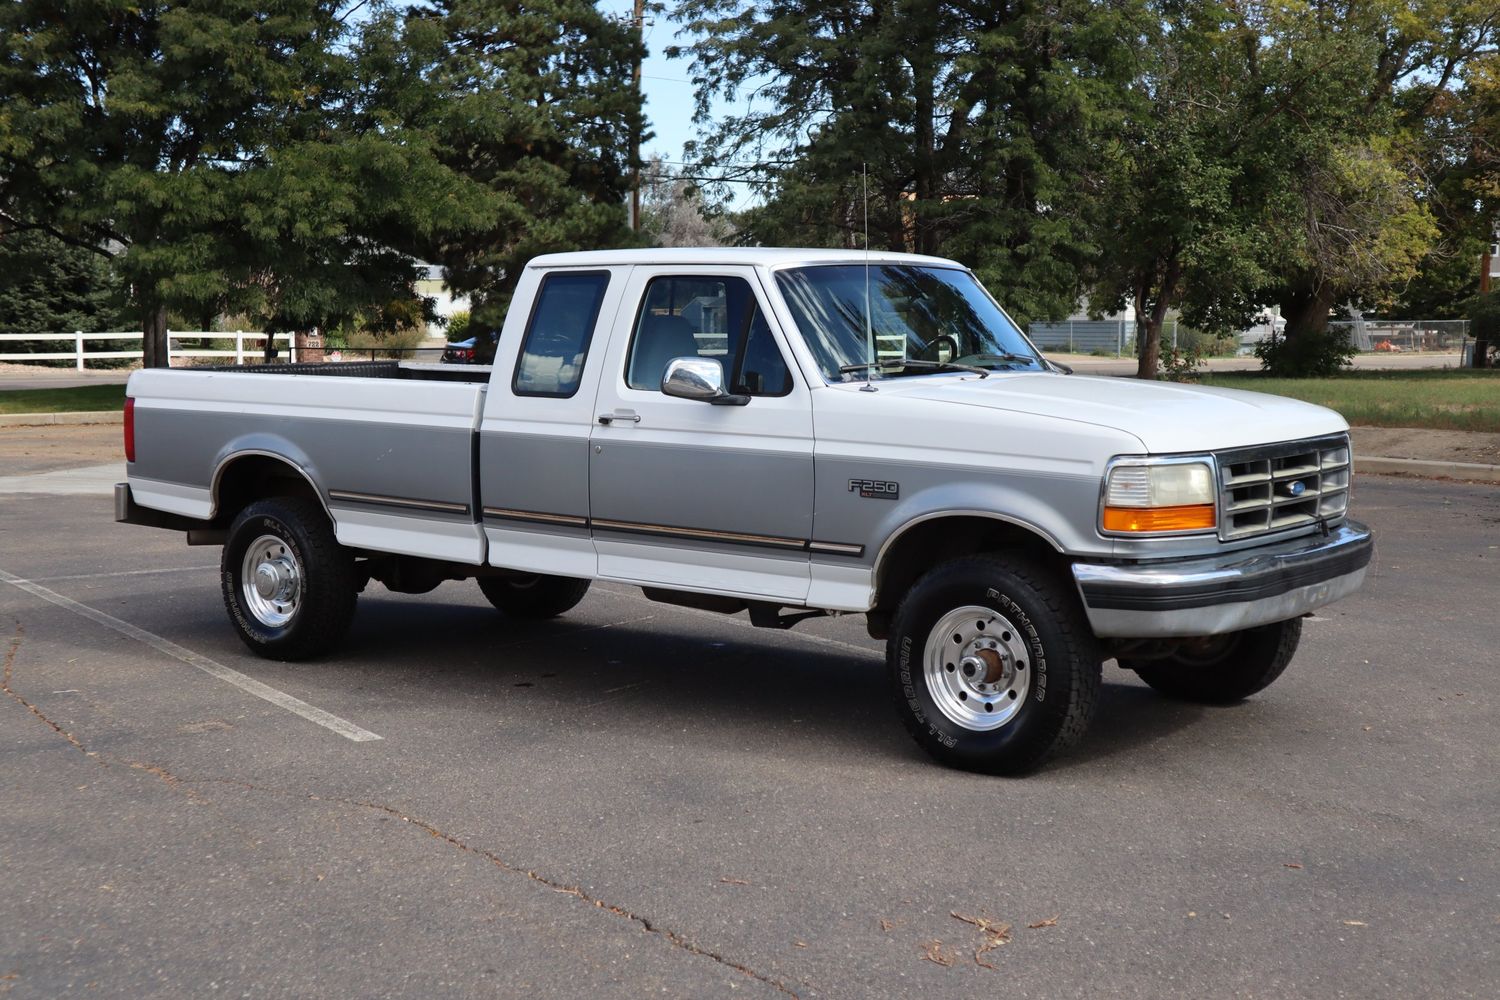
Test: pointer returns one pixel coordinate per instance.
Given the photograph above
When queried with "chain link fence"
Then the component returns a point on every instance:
(1116, 337)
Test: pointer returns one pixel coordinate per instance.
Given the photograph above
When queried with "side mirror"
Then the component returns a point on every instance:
(701, 379)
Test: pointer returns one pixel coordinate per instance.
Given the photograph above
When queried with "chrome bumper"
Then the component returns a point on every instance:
(1225, 593)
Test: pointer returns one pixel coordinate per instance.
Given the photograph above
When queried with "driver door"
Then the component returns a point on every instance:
(688, 494)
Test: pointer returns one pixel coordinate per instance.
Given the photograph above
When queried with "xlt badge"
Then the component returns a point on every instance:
(875, 489)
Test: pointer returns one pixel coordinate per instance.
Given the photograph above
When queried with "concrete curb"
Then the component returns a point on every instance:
(1427, 470)
(48, 419)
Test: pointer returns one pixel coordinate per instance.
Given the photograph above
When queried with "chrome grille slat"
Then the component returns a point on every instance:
(1252, 481)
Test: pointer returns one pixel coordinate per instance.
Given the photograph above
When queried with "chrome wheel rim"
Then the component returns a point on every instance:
(978, 669)
(271, 581)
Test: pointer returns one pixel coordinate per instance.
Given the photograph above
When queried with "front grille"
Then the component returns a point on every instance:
(1278, 487)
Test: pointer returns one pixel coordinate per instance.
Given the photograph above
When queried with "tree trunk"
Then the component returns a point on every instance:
(1150, 320)
(154, 337)
(1306, 310)
(1147, 347)
(923, 235)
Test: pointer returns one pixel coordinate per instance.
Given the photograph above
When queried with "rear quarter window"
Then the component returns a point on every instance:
(555, 346)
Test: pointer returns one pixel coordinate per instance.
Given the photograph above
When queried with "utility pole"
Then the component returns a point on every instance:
(635, 135)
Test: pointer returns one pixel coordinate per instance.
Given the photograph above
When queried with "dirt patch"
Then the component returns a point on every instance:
(1478, 447)
(28, 450)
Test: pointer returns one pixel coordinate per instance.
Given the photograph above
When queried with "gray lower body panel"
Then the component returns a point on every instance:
(1199, 597)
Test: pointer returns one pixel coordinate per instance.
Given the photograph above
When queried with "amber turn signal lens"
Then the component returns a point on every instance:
(1190, 517)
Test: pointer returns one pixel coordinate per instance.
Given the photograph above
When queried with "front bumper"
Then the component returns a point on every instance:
(1239, 590)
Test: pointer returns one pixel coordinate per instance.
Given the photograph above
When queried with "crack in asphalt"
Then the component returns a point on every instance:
(675, 938)
(5, 676)
(181, 785)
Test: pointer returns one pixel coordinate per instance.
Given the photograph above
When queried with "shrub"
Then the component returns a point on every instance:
(1179, 364)
(396, 344)
(1307, 355)
(459, 327)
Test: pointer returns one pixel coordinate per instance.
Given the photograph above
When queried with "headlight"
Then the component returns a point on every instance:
(1142, 496)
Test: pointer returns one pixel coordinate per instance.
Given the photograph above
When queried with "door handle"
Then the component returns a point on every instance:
(608, 418)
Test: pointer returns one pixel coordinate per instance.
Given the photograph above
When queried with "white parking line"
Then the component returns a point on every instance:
(123, 572)
(213, 668)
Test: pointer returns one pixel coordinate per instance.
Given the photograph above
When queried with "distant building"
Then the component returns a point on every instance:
(432, 286)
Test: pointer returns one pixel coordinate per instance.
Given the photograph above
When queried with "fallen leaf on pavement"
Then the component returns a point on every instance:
(1355, 923)
(733, 881)
(996, 933)
(933, 951)
(1290, 864)
(1049, 922)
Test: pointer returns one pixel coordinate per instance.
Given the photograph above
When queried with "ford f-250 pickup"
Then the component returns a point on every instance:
(788, 433)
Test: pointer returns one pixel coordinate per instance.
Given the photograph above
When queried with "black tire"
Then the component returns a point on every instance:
(1048, 678)
(1227, 672)
(318, 609)
(533, 596)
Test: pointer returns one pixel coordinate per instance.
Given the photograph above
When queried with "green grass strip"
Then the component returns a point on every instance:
(86, 397)
(1451, 400)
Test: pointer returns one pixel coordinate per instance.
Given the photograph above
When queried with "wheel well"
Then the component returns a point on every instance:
(925, 545)
(254, 477)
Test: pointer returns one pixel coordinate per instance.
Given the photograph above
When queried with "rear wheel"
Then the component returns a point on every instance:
(993, 666)
(533, 595)
(1223, 669)
(288, 585)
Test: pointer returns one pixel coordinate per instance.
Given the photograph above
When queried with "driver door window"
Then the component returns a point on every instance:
(706, 317)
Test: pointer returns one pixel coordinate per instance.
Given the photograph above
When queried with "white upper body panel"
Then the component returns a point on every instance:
(1166, 417)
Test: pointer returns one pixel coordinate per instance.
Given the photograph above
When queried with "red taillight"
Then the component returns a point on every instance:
(129, 429)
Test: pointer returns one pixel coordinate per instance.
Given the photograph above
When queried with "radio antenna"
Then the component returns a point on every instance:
(864, 170)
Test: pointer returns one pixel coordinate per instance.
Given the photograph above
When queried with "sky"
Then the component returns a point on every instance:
(668, 91)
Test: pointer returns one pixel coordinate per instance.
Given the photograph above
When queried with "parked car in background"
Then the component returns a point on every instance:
(476, 350)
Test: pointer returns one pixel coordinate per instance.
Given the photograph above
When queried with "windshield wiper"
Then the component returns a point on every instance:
(1005, 356)
(901, 364)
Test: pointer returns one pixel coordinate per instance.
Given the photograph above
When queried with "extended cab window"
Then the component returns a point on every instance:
(706, 317)
(558, 334)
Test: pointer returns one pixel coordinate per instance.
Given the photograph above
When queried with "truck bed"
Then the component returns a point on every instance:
(388, 448)
(366, 369)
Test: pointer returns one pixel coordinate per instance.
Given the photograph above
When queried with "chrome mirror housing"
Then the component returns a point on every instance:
(701, 379)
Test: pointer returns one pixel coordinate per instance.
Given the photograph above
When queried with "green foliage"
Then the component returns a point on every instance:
(984, 131)
(1205, 342)
(1313, 354)
(458, 325)
(529, 102)
(235, 156)
(1181, 364)
(48, 286)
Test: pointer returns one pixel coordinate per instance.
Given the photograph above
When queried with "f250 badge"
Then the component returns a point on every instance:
(875, 489)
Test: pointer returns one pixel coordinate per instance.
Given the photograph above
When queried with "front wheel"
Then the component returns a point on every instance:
(1223, 669)
(533, 596)
(288, 585)
(993, 665)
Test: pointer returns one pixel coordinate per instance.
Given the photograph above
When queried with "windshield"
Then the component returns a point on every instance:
(935, 315)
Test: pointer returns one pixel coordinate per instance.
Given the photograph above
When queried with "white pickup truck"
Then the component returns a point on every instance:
(788, 433)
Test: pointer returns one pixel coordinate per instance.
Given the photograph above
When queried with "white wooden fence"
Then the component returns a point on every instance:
(175, 347)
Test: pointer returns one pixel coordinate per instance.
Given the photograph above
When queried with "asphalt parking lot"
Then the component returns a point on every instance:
(640, 800)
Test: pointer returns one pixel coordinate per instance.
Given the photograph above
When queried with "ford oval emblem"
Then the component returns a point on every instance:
(1295, 488)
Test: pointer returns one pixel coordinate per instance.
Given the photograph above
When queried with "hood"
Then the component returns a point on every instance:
(1166, 416)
